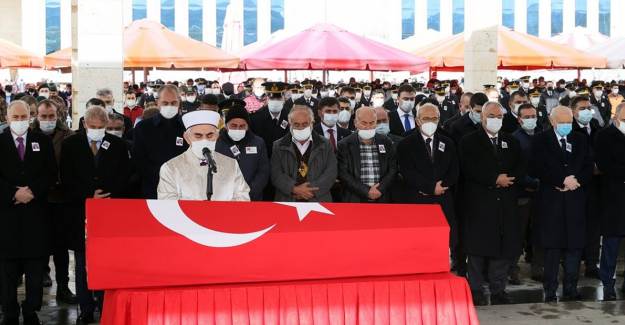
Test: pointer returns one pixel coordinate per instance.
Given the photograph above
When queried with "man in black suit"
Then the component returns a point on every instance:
(27, 170)
(601, 103)
(402, 120)
(366, 162)
(328, 127)
(469, 122)
(510, 122)
(106, 95)
(492, 163)
(158, 139)
(391, 103)
(94, 164)
(464, 107)
(587, 126)
(562, 163)
(429, 165)
(447, 105)
(308, 99)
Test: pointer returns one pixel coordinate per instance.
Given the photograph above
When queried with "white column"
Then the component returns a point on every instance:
(446, 19)
(154, 10)
(394, 20)
(520, 16)
(420, 16)
(568, 15)
(127, 12)
(181, 13)
(617, 24)
(263, 19)
(12, 22)
(544, 18)
(592, 15)
(93, 66)
(480, 48)
(209, 16)
(66, 23)
(34, 26)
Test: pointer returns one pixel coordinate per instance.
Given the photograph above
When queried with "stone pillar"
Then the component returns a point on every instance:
(34, 26)
(209, 16)
(181, 13)
(263, 20)
(520, 16)
(420, 16)
(544, 18)
(11, 18)
(446, 17)
(97, 54)
(592, 16)
(568, 16)
(480, 48)
(154, 10)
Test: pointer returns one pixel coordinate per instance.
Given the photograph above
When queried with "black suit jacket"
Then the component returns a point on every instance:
(127, 124)
(594, 129)
(348, 155)
(396, 124)
(313, 103)
(263, 125)
(24, 227)
(82, 174)
(510, 123)
(461, 127)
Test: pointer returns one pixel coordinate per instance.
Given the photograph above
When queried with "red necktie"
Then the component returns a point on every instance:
(332, 139)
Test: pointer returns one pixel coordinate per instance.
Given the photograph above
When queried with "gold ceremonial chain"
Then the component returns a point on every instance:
(303, 169)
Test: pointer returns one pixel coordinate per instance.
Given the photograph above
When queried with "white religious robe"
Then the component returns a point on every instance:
(183, 178)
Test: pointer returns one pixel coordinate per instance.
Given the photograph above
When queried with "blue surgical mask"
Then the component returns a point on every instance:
(584, 116)
(382, 128)
(564, 129)
(529, 124)
(475, 117)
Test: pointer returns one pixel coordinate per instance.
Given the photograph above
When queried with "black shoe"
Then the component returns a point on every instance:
(47, 282)
(479, 299)
(66, 296)
(514, 279)
(31, 319)
(551, 299)
(10, 321)
(85, 318)
(609, 294)
(500, 299)
(592, 273)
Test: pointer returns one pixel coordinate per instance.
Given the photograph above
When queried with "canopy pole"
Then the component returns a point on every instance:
(286, 79)
(579, 74)
(371, 76)
(145, 75)
(323, 76)
(132, 71)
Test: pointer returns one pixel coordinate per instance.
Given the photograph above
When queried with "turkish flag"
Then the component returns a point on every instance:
(139, 243)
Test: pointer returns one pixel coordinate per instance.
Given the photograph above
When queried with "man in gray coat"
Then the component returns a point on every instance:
(303, 164)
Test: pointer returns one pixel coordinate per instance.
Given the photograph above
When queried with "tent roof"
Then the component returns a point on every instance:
(14, 56)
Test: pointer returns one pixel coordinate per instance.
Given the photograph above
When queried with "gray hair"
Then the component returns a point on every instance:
(96, 112)
(169, 87)
(364, 109)
(558, 108)
(489, 103)
(104, 92)
(419, 107)
(15, 103)
(618, 109)
(297, 108)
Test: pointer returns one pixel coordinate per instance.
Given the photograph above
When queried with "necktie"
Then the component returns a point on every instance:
(407, 125)
(494, 141)
(332, 139)
(20, 147)
(587, 129)
(203, 162)
(94, 147)
(428, 146)
(563, 145)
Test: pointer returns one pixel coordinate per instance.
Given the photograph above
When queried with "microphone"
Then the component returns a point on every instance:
(212, 166)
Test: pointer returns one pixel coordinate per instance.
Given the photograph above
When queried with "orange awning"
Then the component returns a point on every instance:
(148, 44)
(13, 56)
(516, 51)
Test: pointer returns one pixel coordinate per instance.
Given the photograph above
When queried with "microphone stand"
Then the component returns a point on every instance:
(212, 169)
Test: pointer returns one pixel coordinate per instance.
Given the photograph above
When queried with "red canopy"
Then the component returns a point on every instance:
(328, 47)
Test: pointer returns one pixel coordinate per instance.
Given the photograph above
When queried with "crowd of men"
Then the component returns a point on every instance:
(522, 168)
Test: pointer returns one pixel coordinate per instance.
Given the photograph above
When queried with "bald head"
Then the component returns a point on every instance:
(560, 115)
(18, 110)
(381, 115)
(366, 118)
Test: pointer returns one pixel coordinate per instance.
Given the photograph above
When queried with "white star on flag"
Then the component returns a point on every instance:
(304, 208)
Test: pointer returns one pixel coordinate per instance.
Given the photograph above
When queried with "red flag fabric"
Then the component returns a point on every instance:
(139, 243)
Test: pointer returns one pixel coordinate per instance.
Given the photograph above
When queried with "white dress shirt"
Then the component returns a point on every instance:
(401, 119)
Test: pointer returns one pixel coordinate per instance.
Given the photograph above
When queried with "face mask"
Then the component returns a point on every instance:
(367, 93)
(215, 91)
(116, 133)
(529, 124)
(564, 129)
(201, 88)
(236, 135)
(440, 99)
(377, 102)
(258, 92)
(191, 99)
(535, 101)
(344, 116)
(296, 96)
(330, 119)
(621, 126)
(198, 146)
(584, 116)
(394, 96)
(19, 127)
(366, 134)
(150, 91)
(323, 94)
(358, 96)
(47, 126)
(493, 125)
(598, 93)
(331, 93)
(131, 103)
(169, 112)
(307, 93)
(44, 94)
(275, 106)
(475, 117)
(526, 85)
(287, 94)
(301, 135)
(96, 134)
(429, 128)
(615, 91)
(352, 104)
(382, 128)
(407, 105)
(572, 94)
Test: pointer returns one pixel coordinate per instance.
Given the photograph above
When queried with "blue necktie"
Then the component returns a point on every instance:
(407, 126)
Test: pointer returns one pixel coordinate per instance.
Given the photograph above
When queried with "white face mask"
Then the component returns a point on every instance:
(331, 92)
(440, 99)
(344, 116)
(515, 109)
(366, 134)
(352, 104)
(44, 94)
(615, 91)
(131, 103)
(535, 101)
(598, 93)
(301, 135)
(275, 106)
(330, 119)
(198, 146)
(377, 102)
(394, 96)
(493, 125)
(323, 94)
(191, 99)
(572, 94)
(116, 133)
(406, 105)
(429, 128)
(236, 135)
(47, 126)
(621, 126)
(19, 127)
(307, 93)
(367, 93)
(96, 134)
(259, 92)
(169, 112)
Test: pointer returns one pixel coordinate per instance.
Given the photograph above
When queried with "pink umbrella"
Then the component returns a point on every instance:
(328, 47)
